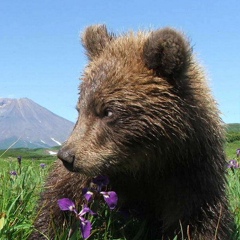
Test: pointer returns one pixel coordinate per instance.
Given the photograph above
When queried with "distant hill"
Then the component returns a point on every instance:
(233, 132)
(30, 125)
(233, 127)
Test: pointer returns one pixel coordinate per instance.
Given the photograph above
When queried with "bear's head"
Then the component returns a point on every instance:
(143, 104)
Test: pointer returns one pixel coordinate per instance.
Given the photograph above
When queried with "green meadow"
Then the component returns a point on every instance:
(21, 185)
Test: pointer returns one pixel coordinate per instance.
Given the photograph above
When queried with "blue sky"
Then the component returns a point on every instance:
(42, 58)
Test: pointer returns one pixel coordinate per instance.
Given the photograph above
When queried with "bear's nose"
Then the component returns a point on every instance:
(66, 155)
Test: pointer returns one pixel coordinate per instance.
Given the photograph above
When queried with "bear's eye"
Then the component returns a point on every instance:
(108, 112)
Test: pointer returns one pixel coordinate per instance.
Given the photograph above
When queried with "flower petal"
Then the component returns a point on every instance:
(110, 198)
(88, 196)
(85, 227)
(101, 181)
(42, 165)
(233, 164)
(85, 210)
(66, 204)
(14, 173)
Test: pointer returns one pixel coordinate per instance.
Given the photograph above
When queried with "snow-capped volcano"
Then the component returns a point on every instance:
(30, 125)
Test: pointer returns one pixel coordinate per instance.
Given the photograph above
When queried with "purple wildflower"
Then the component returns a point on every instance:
(13, 173)
(85, 210)
(88, 195)
(110, 198)
(42, 165)
(233, 164)
(66, 204)
(101, 181)
(85, 225)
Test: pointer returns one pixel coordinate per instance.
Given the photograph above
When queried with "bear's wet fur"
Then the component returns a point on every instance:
(147, 120)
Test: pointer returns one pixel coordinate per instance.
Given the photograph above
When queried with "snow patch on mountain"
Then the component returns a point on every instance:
(56, 141)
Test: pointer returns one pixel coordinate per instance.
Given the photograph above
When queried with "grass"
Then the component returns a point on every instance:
(234, 185)
(19, 195)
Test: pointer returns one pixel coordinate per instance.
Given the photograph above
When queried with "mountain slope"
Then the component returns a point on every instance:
(233, 127)
(30, 124)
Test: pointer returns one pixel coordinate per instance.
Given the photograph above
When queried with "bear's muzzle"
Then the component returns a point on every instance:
(67, 157)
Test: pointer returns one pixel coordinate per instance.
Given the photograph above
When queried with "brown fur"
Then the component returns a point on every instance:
(148, 121)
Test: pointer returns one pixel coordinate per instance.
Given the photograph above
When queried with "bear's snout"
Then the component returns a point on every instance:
(67, 157)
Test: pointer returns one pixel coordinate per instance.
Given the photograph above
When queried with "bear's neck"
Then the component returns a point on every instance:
(174, 190)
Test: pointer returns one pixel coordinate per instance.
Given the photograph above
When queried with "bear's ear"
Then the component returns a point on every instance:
(167, 52)
(95, 38)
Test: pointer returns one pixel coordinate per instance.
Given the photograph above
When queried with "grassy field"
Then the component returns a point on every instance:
(20, 188)
(22, 183)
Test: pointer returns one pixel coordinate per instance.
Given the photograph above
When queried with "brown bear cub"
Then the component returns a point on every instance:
(148, 121)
